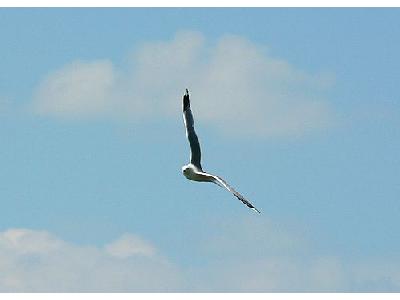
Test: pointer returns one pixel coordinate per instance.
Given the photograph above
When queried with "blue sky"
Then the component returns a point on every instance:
(298, 109)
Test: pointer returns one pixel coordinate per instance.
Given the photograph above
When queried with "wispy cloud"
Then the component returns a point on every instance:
(237, 86)
(78, 89)
(257, 255)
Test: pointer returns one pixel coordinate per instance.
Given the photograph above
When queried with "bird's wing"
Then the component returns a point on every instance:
(195, 156)
(222, 183)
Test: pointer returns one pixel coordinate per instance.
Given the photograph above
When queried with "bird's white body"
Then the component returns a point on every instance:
(191, 172)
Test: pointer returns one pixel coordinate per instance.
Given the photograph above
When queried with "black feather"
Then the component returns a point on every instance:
(186, 101)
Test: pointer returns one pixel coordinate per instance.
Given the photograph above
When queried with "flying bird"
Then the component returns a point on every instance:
(193, 170)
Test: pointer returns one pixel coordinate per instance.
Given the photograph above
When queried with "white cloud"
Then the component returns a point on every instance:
(129, 245)
(236, 85)
(244, 255)
(25, 241)
(37, 261)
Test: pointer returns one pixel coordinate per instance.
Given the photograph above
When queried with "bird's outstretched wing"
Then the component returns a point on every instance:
(195, 155)
(222, 183)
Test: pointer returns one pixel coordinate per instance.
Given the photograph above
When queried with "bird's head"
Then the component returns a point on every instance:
(185, 169)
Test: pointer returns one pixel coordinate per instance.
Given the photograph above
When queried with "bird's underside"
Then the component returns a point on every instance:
(193, 171)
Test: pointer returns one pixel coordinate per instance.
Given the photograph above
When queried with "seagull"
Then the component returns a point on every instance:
(193, 170)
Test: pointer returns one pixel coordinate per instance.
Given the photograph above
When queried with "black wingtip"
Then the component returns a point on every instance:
(186, 101)
(253, 208)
